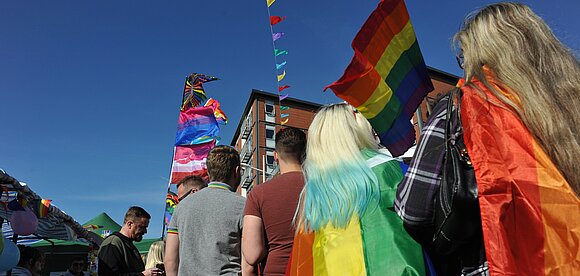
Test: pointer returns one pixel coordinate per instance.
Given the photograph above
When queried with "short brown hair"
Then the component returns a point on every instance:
(221, 163)
(192, 181)
(291, 144)
(136, 212)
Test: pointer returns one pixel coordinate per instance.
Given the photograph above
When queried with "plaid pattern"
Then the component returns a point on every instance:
(415, 197)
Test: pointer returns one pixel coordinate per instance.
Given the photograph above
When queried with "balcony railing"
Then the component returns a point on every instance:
(247, 126)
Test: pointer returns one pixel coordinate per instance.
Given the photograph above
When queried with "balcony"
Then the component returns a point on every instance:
(247, 126)
(248, 177)
(247, 151)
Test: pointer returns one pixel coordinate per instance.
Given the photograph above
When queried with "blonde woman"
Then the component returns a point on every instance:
(155, 255)
(345, 222)
(521, 98)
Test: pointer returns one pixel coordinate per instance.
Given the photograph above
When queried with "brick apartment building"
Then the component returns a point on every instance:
(254, 136)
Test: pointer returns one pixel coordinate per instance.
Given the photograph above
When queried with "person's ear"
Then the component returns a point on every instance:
(276, 157)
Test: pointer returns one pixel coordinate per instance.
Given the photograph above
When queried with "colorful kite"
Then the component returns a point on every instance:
(387, 78)
(193, 93)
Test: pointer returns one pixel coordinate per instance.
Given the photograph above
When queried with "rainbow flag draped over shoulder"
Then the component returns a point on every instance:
(196, 126)
(387, 78)
(530, 214)
(375, 244)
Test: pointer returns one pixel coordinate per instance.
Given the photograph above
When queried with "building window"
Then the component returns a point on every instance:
(270, 108)
(270, 162)
(270, 136)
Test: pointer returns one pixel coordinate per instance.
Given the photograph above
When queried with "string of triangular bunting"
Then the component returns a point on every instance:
(278, 54)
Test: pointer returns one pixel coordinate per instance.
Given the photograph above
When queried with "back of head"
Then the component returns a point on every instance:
(155, 254)
(135, 212)
(29, 256)
(222, 162)
(291, 144)
(339, 184)
(523, 54)
(193, 181)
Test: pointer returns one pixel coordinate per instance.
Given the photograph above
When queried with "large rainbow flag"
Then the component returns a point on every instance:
(387, 78)
(374, 244)
(530, 214)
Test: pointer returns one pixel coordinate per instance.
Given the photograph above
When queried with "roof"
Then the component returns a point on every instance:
(103, 222)
(434, 73)
(259, 94)
(55, 225)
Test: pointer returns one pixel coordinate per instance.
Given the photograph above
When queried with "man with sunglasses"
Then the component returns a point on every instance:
(189, 185)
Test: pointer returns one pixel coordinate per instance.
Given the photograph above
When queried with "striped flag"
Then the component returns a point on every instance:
(387, 78)
(190, 160)
(374, 244)
(193, 93)
(196, 126)
(530, 214)
(219, 114)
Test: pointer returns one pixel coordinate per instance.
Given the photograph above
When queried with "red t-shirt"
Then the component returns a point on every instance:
(275, 203)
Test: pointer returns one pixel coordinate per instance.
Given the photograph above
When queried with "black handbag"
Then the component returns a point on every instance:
(457, 220)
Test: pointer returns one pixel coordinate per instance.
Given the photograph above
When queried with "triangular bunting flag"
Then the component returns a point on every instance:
(270, 2)
(282, 97)
(283, 107)
(282, 115)
(281, 88)
(279, 66)
(276, 19)
(283, 122)
(281, 76)
(279, 52)
(276, 36)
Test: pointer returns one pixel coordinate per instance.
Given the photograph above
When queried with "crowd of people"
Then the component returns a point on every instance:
(342, 205)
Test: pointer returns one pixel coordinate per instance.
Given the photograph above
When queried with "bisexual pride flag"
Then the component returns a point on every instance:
(196, 126)
(387, 78)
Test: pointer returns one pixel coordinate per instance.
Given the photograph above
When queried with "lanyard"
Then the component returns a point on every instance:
(219, 186)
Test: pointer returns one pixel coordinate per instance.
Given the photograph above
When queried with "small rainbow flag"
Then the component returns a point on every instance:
(530, 214)
(387, 78)
(220, 116)
(40, 207)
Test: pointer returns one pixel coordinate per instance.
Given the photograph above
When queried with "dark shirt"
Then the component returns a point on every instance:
(275, 203)
(119, 256)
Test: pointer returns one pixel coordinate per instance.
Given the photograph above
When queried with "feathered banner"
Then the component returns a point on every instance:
(220, 116)
(193, 93)
(387, 78)
(274, 20)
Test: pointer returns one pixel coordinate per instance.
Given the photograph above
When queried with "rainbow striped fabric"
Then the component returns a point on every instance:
(530, 214)
(387, 78)
(220, 116)
(374, 244)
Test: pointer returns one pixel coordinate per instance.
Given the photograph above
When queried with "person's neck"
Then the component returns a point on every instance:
(125, 232)
(289, 167)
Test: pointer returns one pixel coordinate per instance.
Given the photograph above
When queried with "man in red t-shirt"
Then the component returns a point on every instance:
(268, 232)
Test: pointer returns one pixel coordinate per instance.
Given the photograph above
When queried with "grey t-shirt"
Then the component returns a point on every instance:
(209, 225)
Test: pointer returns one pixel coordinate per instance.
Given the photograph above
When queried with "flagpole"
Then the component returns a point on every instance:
(168, 190)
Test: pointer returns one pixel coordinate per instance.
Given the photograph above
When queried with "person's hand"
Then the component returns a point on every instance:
(153, 272)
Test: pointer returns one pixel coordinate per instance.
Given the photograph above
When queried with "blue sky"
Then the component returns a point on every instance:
(90, 90)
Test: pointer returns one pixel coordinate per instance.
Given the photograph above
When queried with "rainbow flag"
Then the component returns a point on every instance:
(196, 126)
(193, 93)
(190, 160)
(220, 116)
(530, 214)
(375, 244)
(171, 202)
(41, 207)
(387, 78)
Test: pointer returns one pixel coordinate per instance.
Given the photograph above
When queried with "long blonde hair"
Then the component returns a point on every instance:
(524, 55)
(155, 254)
(339, 184)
